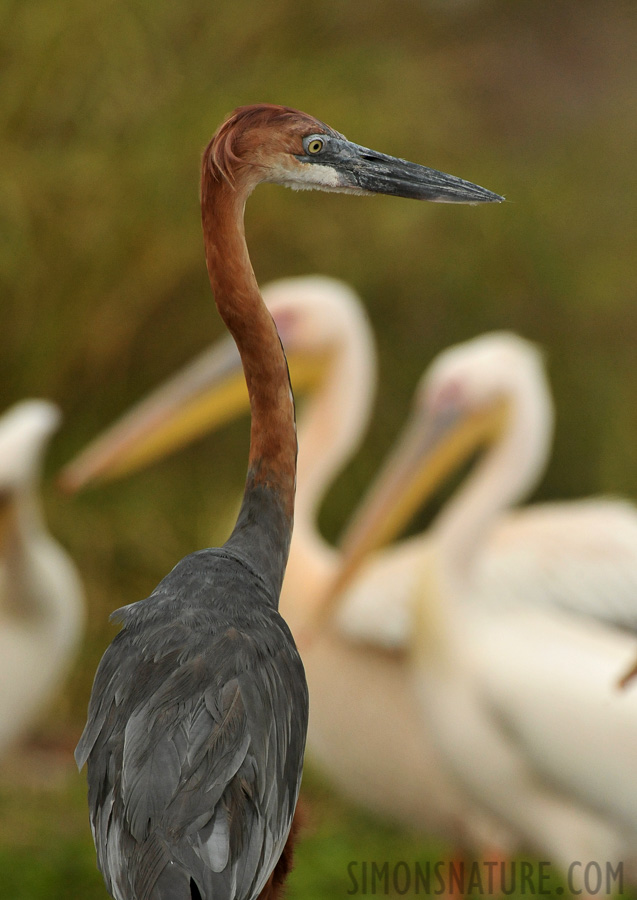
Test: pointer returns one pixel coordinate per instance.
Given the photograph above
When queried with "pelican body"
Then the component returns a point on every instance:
(518, 682)
(41, 601)
(197, 720)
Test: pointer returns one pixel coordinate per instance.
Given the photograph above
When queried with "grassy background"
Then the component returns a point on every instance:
(104, 110)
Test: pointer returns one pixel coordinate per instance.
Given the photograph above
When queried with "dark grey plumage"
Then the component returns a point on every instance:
(196, 731)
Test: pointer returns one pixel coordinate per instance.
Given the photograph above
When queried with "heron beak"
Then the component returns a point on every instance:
(428, 451)
(206, 394)
(377, 173)
(361, 170)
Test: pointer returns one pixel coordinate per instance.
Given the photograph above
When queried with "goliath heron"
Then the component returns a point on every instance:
(198, 714)
(519, 625)
(41, 602)
(330, 350)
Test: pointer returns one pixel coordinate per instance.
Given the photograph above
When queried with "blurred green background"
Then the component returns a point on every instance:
(104, 110)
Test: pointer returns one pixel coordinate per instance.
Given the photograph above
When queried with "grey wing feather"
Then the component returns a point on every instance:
(198, 778)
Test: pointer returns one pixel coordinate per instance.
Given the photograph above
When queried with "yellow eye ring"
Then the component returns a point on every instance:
(315, 146)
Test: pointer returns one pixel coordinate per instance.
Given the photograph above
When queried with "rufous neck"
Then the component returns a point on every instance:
(271, 477)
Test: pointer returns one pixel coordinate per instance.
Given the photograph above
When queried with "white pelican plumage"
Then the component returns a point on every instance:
(41, 603)
(364, 719)
(515, 651)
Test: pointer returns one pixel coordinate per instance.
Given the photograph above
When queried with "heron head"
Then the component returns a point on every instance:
(261, 143)
(265, 143)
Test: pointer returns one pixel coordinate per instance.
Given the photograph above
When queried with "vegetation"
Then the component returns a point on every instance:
(104, 109)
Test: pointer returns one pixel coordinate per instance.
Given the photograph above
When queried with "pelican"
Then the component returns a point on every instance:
(41, 602)
(393, 771)
(198, 714)
(514, 649)
(331, 355)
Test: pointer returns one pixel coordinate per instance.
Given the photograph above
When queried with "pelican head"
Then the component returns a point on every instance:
(266, 143)
(476, 374)
(321, 322)
(476, 393)
(488, 392)
(24, 431)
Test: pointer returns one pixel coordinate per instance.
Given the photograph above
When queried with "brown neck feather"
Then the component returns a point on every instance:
(273, 447)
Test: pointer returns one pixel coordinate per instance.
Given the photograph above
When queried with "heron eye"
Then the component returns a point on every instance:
(315, 146)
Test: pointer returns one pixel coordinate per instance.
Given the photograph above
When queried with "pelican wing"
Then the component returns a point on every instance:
(195, 741)
(559, 704)
(376, 608)
(579, 556)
